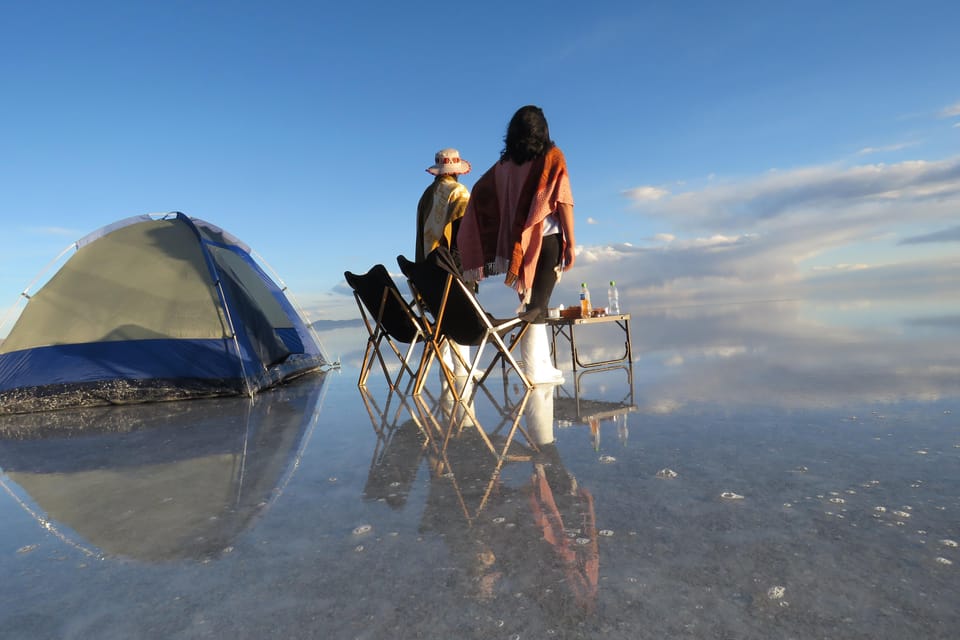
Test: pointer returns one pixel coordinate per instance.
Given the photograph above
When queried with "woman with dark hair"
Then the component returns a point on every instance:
(519, 222)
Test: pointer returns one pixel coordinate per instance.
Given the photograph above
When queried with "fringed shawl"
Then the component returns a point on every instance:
(441, 207)
(497, 236)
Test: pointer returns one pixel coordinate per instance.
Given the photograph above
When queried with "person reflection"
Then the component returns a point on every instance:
(537, 538)
(562, 511)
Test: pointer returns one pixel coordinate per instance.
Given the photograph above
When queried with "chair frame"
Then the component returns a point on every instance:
(378, 334)
(437, 335)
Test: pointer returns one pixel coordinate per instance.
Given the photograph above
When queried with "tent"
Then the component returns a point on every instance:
(154, 309)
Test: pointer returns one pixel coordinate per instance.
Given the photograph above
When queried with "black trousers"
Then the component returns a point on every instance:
(544, 280)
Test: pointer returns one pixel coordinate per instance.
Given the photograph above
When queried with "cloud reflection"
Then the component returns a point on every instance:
(795, 355)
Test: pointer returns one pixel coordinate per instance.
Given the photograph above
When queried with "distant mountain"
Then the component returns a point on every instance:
(327, 325)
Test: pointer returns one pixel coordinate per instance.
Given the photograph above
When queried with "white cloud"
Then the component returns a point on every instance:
(646, 193)
(763, 268)
(886, 149)
(592, 220)
(713, 241)
(724, 351)
(818, 192)
(951, 112)
(841, 267)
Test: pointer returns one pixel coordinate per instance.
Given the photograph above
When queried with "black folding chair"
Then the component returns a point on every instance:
(389, 319)
(458, 316)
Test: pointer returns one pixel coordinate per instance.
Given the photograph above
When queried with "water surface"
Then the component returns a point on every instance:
(786, 470)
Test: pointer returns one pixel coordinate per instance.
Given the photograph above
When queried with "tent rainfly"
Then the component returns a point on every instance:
(153, 309)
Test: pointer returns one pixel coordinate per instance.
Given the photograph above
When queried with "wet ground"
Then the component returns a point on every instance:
(776, 470)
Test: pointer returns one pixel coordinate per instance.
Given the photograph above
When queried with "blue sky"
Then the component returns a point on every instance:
(717, 151)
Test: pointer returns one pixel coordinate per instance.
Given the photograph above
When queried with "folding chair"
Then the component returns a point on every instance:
(389, 318)
(457, 316)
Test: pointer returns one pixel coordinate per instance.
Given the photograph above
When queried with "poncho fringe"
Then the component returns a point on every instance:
(492, 242)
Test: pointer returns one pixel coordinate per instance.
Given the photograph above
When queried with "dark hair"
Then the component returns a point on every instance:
(528, 136)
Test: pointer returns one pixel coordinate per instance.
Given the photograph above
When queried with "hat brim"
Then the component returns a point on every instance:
(458, 168)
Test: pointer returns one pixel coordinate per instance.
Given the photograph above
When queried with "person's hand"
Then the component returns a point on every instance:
(569, 257)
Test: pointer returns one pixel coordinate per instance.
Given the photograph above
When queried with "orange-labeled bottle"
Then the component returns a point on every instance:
(585, 307)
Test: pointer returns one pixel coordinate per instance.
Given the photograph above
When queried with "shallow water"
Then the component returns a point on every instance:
(787, 470)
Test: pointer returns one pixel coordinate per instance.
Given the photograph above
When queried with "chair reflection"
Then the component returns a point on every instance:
(538, 535)
(158, 482)
(402, 440)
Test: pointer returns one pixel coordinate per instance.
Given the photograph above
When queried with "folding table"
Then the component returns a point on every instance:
(566, 328)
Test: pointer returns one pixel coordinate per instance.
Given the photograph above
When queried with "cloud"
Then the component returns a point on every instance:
(815, 192)
(891, 147)
(759, 269)
(946, 235)
(592, 221)
(646, 193)
(840, 267)
(951, 112)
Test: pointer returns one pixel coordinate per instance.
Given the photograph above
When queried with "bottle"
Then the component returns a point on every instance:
(584, 300)
(613, 300)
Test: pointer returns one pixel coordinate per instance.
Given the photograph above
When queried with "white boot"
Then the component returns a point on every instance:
(460, 369)
(539, 415)
(543, 354)
(535, 353)
(447, 358)
(447, 400)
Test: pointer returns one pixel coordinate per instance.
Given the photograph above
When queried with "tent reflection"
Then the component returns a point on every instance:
(159, 482)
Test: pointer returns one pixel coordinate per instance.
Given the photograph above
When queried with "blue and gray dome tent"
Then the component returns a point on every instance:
(152, 309)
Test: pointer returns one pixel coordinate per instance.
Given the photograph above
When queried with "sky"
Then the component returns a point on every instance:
(717, 152)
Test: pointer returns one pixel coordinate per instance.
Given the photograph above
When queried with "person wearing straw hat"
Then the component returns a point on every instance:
(439, 213)
(442, 205)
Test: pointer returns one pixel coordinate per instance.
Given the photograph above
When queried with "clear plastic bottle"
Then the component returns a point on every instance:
(613, 299)
(585, 307)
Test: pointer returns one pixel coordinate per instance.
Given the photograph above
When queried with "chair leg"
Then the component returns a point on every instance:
(505, 354)
(367, 363)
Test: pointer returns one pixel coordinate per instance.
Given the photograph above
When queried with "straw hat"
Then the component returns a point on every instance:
(448, 161)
